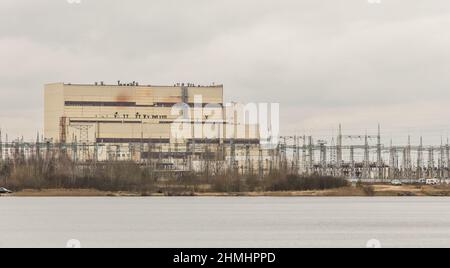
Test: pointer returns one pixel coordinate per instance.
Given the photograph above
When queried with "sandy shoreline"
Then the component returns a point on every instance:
(377, 190)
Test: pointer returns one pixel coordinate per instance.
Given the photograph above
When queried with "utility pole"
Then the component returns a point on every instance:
(333, 158)
(441, 160)
(310, 156)
(323, 158)
(408, 159)
(352, 162)
(296, 155)
(304, 158)
(260, 163)
(379, 159)
(420, 160)
(339, 151)
(366, 169)
(431, 162)
(407, 167)
(393, 164)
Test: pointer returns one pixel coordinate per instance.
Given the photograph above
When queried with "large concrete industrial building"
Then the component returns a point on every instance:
(126, 115)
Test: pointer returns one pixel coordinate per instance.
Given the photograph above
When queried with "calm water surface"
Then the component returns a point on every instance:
(225, 222)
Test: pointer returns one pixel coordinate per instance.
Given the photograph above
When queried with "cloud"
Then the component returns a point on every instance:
(329, 60)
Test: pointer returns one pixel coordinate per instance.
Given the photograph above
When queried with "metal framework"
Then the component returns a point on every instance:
(362, 157)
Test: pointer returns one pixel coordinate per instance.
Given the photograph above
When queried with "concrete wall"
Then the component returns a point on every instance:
(53, 110)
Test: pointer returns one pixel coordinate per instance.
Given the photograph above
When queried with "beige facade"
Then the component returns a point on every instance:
(135, 113)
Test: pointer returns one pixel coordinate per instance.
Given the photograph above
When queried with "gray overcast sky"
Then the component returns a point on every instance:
(324, 61)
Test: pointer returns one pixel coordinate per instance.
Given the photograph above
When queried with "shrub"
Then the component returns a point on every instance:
(301, 183)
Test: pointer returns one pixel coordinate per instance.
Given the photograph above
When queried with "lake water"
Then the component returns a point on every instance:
(225, 222)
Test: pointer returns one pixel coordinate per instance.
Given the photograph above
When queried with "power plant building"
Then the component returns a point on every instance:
(125, 115)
